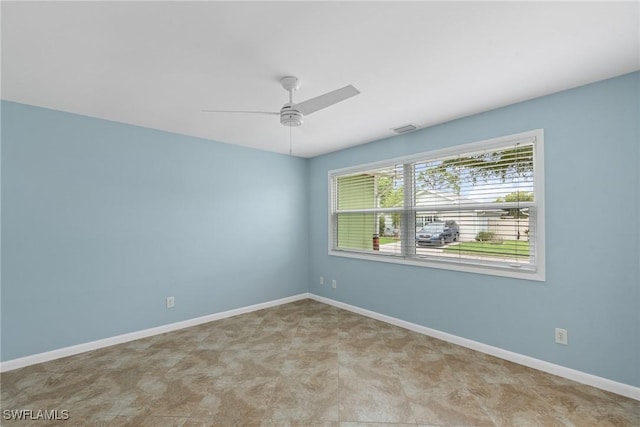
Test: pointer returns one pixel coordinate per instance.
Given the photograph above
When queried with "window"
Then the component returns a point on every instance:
(477, 207)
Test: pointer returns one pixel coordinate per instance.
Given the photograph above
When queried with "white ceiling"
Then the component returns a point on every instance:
(157, 64)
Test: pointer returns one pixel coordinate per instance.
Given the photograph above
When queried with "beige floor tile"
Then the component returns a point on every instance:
(212, 421)
(303, 364)
(295, 423)
(483, 369)
(312, 396)
(300, 363)
(373, 398)
(148, 421)
(509, 405)
(449, 404)
(234, 399)
(583, 405)
(356, 424)
(261, 360)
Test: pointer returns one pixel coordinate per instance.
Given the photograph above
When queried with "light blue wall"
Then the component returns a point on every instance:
(101, 221)
(592, 178)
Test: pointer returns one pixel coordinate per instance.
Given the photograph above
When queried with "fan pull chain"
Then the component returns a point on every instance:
(290, 143)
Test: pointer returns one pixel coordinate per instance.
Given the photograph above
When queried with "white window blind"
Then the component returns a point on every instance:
(361, 200)
(476, 207)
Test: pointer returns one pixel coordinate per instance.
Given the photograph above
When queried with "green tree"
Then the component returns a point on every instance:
(390, 195)
(516, 196)
(505, 165)
(441, 178)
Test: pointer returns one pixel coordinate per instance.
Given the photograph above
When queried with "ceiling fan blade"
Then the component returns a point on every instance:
(242, 111)
(319, 102)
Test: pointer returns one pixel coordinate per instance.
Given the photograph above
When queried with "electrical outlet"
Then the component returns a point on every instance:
(171, 301)
(561, 336)
(334, 284)
(321, 280)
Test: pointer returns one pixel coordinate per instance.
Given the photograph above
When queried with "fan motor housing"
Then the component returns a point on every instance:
(290, 116)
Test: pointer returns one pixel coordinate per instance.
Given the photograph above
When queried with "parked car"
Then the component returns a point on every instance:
(438, 233)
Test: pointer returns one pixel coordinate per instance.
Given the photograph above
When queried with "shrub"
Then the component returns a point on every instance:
(484, 236)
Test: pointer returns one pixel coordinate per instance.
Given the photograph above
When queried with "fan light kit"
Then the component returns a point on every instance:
(292, 114)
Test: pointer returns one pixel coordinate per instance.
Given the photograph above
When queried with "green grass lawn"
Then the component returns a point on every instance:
(519, 248)
(385, 240)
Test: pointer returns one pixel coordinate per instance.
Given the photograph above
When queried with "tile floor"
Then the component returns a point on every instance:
(303, 364)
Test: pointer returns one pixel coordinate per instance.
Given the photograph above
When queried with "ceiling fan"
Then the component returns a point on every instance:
(292, 114)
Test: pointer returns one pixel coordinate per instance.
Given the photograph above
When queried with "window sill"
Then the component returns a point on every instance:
(489, 269)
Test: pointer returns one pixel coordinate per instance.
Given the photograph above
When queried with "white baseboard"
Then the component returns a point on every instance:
(572, 374)
(561, 371)
(21, 362)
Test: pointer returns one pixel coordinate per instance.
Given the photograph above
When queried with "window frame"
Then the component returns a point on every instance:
(407, 257)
